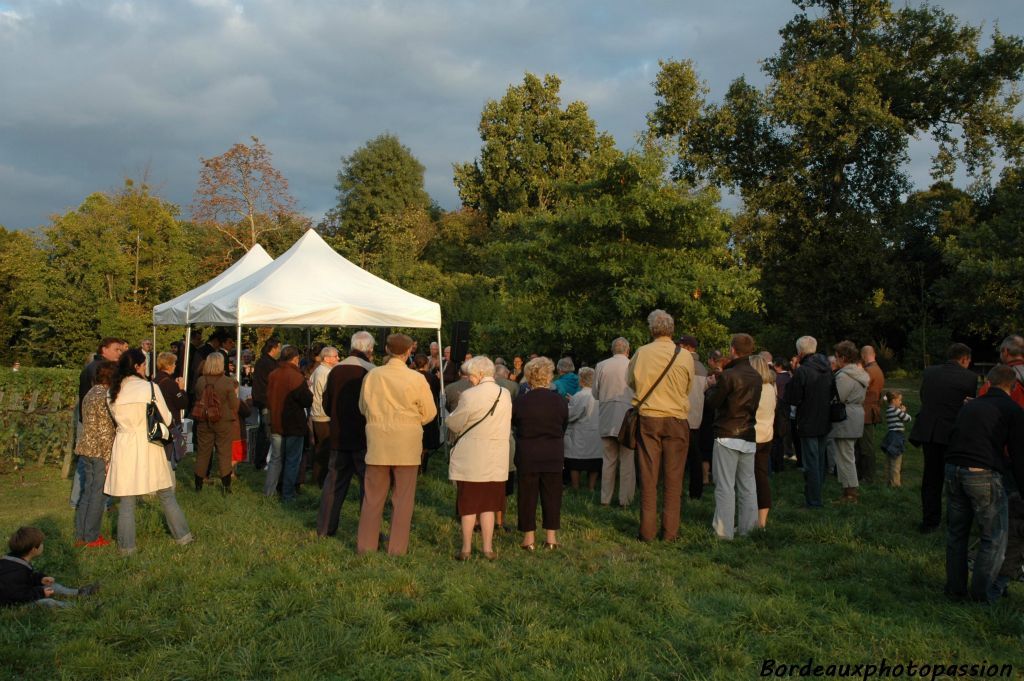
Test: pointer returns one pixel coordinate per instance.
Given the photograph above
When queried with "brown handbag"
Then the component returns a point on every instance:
(629, 431)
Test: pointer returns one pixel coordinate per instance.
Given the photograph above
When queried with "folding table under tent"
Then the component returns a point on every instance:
(312, 285)
(176, 312)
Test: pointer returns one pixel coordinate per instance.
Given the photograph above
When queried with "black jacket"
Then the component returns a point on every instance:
(984, 429)
(540, 418)
(19, 583)
(260, 374)
(340, 402)
(944, 388)
(86, 380)
(735, 397)
(810, 392)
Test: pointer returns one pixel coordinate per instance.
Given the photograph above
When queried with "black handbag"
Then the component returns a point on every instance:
(157, 431)
(629, 431)
(836, 408)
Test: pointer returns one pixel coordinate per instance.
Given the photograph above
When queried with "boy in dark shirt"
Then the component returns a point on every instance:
(987, 442)
(19, 583)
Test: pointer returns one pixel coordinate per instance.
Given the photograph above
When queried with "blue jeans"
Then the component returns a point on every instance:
(92, 503)
(292, 448)
(974, 495)
(813, 452)
(274, 462)
(77, 481)
(172, 514)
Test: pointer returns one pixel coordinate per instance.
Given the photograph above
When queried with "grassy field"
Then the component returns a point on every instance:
(259, 596)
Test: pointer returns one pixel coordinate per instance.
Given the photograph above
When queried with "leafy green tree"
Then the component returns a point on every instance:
(629, 242)
(107, 263)
(382, 178)
(22, 290)
(533, 150)
(819, 155)
(984, 256)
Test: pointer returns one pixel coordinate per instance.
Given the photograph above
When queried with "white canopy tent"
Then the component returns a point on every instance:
(176, 312)
(308, 285)
(311, 285)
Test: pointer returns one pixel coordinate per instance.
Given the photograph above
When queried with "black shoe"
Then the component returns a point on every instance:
(225, 484)
(927, 529)
(199, 483)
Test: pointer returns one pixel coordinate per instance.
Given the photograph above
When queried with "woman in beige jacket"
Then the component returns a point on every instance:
(138, 466)
(397, 403)
(482, 424)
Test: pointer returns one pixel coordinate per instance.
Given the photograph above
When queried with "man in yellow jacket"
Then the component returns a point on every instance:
(397, 403)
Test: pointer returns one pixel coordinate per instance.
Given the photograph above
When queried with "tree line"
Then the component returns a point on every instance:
(564, 240)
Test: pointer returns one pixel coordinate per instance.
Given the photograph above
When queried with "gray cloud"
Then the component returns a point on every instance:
(94, 91)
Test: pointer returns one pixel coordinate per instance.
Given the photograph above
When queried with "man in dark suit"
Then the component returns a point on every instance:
(944, 389)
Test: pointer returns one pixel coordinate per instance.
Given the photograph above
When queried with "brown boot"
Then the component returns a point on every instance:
(849, 496)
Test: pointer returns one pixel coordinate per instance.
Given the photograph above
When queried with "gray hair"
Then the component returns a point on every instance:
(362, 341)
(1012, 345)
(498, 361)
(620, 346)
(661, 324)
(806, 345)
(565, 365)
(328, 351)
(480, 366)
(586, 377)
(500, 371)
(766, 356)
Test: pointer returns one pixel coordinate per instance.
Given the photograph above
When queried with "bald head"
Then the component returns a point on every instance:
(867, 354)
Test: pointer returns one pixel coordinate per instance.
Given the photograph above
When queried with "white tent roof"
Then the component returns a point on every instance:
(176, 312)
(311, 285)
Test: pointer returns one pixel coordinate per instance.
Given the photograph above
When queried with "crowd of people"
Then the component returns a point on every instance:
(638, 421)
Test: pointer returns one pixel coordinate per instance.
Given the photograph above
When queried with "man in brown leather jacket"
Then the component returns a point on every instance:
(735, 396)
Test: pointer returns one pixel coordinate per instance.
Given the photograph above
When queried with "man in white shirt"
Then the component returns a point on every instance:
(321, 421)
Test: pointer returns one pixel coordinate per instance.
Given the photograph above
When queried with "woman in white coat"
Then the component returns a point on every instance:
(138, 466)
(583, 448)
(851, 387)
(482, 425)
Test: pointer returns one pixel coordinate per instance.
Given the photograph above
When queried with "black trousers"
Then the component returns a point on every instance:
(762, 480)
(548, 486)
(341, 466)
(260, 447)
(695, 465)
(932, 480)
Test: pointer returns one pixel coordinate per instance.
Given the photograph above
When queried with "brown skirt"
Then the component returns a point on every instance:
(479, 497)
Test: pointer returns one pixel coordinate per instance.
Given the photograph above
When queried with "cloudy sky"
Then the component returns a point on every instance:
(93, 91)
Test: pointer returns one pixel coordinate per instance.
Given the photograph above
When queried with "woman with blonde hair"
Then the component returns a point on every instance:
(540, 418)
(479, 458)
(220, 427)
(765, 433)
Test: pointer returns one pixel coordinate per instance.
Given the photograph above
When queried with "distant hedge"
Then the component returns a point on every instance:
(36, 412)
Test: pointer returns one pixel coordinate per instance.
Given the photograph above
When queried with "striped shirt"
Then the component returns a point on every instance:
(895, 418)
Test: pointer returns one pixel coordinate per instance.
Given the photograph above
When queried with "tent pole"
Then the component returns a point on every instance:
(184, 369)
(152, 356)
(238, 353)
(188, 347)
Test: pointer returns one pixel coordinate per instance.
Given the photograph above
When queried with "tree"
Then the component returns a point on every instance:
(628, 242)
(533, 150)
(242, 195)
(106, 264)
(984, 258)
(22, 291)
(381, 178)
(819, 155)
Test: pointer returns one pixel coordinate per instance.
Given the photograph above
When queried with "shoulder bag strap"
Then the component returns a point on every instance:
(484, 418)
(651, 389)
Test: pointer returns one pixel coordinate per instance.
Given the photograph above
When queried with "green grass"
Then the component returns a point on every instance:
(259, 596)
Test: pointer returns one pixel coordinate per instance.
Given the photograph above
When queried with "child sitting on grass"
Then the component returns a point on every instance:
(19, 583)
(896, 417)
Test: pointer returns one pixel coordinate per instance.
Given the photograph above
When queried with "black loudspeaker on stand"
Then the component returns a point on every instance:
(460, 342)
(382, 340)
